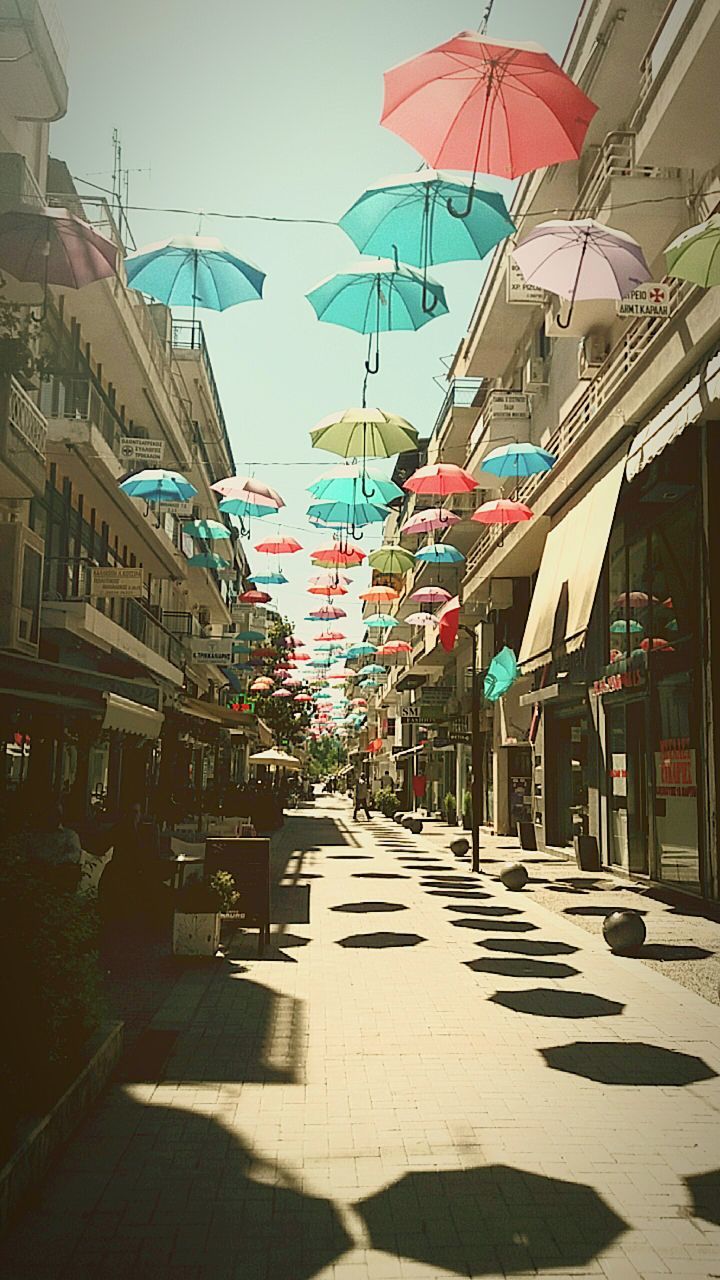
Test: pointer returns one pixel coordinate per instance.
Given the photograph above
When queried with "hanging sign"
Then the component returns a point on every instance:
(116, 582)
(138, 449)
(518, 290)
(647, 300)
(212, 650)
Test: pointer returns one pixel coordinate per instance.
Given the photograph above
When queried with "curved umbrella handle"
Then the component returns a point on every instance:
(565, 324)
(455, 213)
(429, 310)
(375, 367)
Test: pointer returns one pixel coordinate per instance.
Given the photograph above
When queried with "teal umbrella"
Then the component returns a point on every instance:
(501, 674)
(362, 650)
(381, 620)
(194, 271)
(372, 669)
(208, 560)
(621, 626)
(343, 484)
(439, 553)
(206, 530)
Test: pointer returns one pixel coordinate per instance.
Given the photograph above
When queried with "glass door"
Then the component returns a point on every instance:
(627, 785)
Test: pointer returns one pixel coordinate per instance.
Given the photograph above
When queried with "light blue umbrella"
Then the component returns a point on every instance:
(348, 484)
(381, 620)
(439, 553)
(249, 635)
(621, 626)
(521, 459)
(370, 683)
(372, 669)
(351, 514)
(266, 579)
(159, 486)
(241, 508)
(206, 530)
(208, 560)
(501, 674)
(194, 271)
(362, 650)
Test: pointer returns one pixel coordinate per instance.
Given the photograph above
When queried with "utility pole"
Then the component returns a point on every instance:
(477, 753)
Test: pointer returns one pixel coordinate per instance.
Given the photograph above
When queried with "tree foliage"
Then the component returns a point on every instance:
(327, 755)
(288, 720)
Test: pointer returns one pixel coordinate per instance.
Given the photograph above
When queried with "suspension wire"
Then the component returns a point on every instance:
(486, 17)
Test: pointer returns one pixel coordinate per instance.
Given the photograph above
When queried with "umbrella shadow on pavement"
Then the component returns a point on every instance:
(529, 946)
(511, 926)
(516, 967)
(381, 940)
(628, 1063)
(545, 1002)
(493, 1220)
(596, 910)
(449, 892)
(379, 875)
(362, 907)
(672, 951)
(483, 910)
(705, 1191)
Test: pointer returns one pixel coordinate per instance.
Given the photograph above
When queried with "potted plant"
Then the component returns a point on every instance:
(196, 921)
(20, 332)
(467, 811)
(450, 809)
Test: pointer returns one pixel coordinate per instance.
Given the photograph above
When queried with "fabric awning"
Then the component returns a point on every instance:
(686, 407)
(127, 716)
(569, 573)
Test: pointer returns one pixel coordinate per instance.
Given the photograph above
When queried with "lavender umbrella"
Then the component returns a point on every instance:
(429, 520)
(51, 246)
(581, 260)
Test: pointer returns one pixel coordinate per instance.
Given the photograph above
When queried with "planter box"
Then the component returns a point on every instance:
(587, 854)
(527, 835)
(196, 934)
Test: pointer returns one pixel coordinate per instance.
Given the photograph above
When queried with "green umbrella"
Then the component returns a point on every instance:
(695, 255)
(501, 674)
(364, 433)
(391, 559)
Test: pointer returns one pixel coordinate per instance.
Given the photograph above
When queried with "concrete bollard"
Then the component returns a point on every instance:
(514, 875)
(624, 931)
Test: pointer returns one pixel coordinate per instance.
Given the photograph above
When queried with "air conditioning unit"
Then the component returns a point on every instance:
(21, 575)
(203, 616)
(535, 374)
(592, 354)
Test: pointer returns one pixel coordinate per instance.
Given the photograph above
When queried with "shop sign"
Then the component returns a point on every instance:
(116, 582)
(647, 300)
(506, 404)
(213, 650)
(457, 738)
(617, 682)
(518, 290)
(181, 510)
(137, 449)
(411, 714)
(675, 769)
(436, 695)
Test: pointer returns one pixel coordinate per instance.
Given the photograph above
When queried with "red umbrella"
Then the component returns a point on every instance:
(53, 246)
(502, 511)
(255, 597)
(302, 657)
(396, 646)
(327, 614)
(448, 623)
(278, 546)
(345, 557)
(486, 106)
(441, 478)
(331, 635)
(328, 589)
(657, 642)
(302, 697)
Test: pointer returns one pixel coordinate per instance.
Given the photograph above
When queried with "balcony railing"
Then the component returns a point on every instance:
(84, 399)
(615, 158)
(666, 34)
(188, 335)
(26, 420)
(636, 344)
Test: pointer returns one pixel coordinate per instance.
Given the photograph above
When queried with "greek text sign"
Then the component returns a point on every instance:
(138, 449)
(116, 582)
(647, 300)
(517, 288)
(218, 650)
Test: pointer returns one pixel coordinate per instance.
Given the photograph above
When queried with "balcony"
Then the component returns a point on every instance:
(33, 51)
(674, 121)
(23, 441)
(456, 418)
(189, 347)
(84, 399)
(643, 200)
(18, 187)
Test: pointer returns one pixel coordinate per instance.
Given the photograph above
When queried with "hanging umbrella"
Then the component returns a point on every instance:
(581, 260)
(330, 635)
(381, 620)
(302, 697)
(379, 595)
(342, 484)
(372, 669)
(501, 674)
(397, 646)
(278, 546)
(249, 635)
(428, 521)
(194, 271)
(364, 433)
(431, 595)
(159, 486)
(281, 693)
(441, 478)
(268, 579)
(348, 557)
(249, 489)
(420, 620)
(502, 511)
(255, 597)
(326, 614)
(657, 643)
(695, 255)
(623, 626)
(439, 553)
(351, 514)
(207, 530)
(391, 559)
(487, 106)
(521, 459)
(327, 589)
(448, 623)
(244, 508)
(208, 560)
(361, 650)
(52, 246)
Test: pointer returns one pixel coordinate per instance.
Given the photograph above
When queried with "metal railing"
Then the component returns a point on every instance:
(676, 14)
(636, 345)
(188, 335)
(84, 399)
(26, 420)
(615, 158)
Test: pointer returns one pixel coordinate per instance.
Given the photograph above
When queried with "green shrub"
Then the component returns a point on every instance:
(386, 802)
(467, 806)
(223, 883)
(450, 809)
(50, 986)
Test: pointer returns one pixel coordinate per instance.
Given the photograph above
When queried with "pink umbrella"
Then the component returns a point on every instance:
(502, 511)
(430, 520)
(331, 635)
(254, 491)
(421, 620)
(441, 478)
(302, 697)
(330, 577)
(486, 106)
(431, 595)
(53, 246)
(281, 693)
(327, 614)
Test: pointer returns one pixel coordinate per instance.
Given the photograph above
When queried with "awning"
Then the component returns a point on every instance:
(687, 406)
(131, 717)
(569, 573)
(224, 716)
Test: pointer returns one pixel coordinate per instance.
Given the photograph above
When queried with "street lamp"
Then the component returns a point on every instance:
(477, 754)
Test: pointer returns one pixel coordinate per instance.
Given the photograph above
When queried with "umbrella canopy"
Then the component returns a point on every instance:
(281, 693)
(502, 511)
(302, 697)
(379, 595)
(330, 635)
(377, 295)
(249, 635)
(448, 623)
(343, 484)
(621, 626)
(695, 255)
(429, 520)
(486, 106)
(52, 246)
(381, 620)
(194, 271)
(361, 650)
(441, 478)
(391, 559)
(207, 530)
(278, 546)
(372, 669)
(408, 214)
(430, 595)
(397, 646)
(501, 674)
(159, 486)
(348, 513)
(520, 459)
(249, 489)
(276, 756)
(327, 614)
(364, 433)
(421, 620)
(255, 597)
(328, 589)
(439, 553)
(208, 560)
(581, 260)
(268, 579)
(347, 557)
(243, 507)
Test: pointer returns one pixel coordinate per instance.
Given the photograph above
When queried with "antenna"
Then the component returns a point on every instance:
(121, 191)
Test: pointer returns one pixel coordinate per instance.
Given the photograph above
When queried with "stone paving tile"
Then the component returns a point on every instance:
(388, 1112)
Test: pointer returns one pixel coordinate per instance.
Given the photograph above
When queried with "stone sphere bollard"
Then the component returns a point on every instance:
(398, 817)
(459, 846)
(514, 875)
(624, 931)
(416, 826)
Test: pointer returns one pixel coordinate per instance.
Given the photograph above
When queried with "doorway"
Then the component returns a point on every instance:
(628, 786)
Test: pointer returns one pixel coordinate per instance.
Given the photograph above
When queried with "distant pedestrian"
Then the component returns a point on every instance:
(57, 849)
(361, 797)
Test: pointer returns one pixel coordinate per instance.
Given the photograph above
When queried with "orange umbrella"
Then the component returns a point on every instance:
(345, 557)
(380, 595)
(502, 511)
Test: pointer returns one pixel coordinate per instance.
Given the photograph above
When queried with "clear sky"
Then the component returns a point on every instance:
(241, 107)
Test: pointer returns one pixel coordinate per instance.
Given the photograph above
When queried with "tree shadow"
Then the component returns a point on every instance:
(529, 946)
(381, 940)
(628, 1062)
(512, 926)
(705, 1191)
(379, 875)
(546, 1002)
(511, 967)
(361, 907)
(490, 1220)
(484, 910)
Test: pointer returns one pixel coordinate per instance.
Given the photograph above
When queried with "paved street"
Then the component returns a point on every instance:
(431, 1077)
